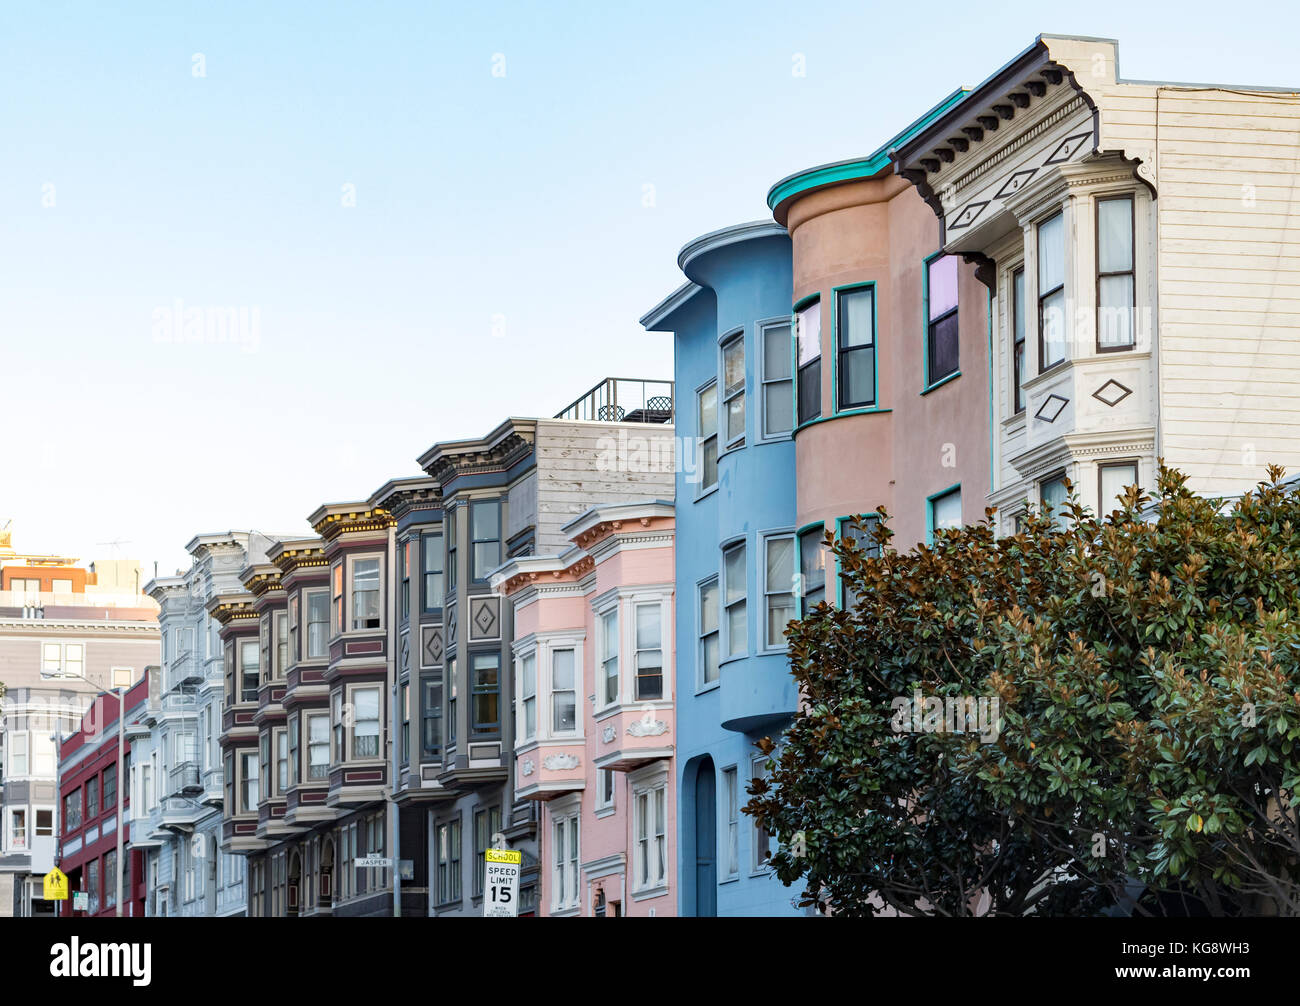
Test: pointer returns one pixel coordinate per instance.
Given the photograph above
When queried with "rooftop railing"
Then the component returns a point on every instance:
(623, 400)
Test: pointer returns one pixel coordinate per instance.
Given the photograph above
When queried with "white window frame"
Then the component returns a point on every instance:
(350, 731)
(603, 701)
(525, 652)
(727, 651)
(305, 641)
(605, 806)
(575, 687)
(702, 685)
(771, 385)
(566, 868)
(638, 602)
(703, 488)
(307, 747)
(63, 649)
(726, 395)
(349, 593)
(649, 831)
(767, 645)
(13, 739)
(245, 758)
(11, 830)
(757, 868)
(280, 755)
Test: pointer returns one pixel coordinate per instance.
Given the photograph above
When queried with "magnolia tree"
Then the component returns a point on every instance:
(1103, 718)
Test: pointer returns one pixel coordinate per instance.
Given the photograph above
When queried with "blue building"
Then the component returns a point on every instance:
(735, 516)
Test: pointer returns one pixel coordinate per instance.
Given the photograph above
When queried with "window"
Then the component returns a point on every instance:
(863, 536)
(731, 804)
(941, 345)
(59, 660)
(777, 387)
(1116, 292)
(762, 837)
(295, 765)
(61, 586)
(856, 348)
(708, 632)
(812, 567)
(604, 789)
(485, 537)
(432, 715)
(486, 824)
(649, 826)
(109, 797)
(1112, 481)
(405, 594)
(564, 893)
(92, 799)
(336, 599)
(451, 550)
(1018, 340)
(405, 752)
(945, 511)
(707, 409)
(293, 630)
(281, 762)
(44, 822)
(1053, 494)
(453, 687)
(649, 652)
(778, 589)
(317, 624)
(248, 669)
(528, 696)
(365, 594)
(248, 783)
(733, 389)
(365, 725)
(72, 811)
(91, 882)
(448, 859)
(228, 659)
(609, 656)
(264, 633)
(264, 766)
(564, 694)
(1051, 292)
(280, 625)
(110, 878)
(431, 546)
(735, 593)
(43, 755)
(16, 760)
(336, 717)
(18, 828)
(318, 746)
(485, 692)
(808, 349)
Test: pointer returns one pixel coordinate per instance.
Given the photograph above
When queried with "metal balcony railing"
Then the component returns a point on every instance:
(623, 400)
(185, 779)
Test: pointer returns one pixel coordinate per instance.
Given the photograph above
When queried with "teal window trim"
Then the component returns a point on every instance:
(835, 347)
(929, 510)
(799, 305)
(839, 533)
(798, 560)
(926, 386)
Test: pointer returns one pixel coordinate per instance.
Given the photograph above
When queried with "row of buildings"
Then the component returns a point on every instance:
(565, 637)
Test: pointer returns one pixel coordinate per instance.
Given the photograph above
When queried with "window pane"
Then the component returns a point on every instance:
(735, 574)
(647, 626)
(856, 322)
(808, 332)
(709, 411)
(778, 408)
(735, 418)
(942, 285)
(709, 607)
(944, 358)
(1115, 311)
(946, 510)
(1114, 480)
(1115, 235)
(1053, 495)
(1051, 254)
(733, 365)
(563, 696)
(776, 353)
(485, 520)
(810, 391)
(858, 377)
(1053, 324)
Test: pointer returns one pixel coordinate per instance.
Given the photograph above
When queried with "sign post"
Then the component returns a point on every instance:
(56, 885)
(501, 889)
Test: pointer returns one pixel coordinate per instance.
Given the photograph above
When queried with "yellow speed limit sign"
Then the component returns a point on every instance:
(501, 889)
(56, 885)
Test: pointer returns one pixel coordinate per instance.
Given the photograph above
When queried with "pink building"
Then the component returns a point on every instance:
(593, 663)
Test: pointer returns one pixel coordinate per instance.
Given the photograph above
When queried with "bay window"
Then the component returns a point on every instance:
(707, 414)
(708, 629)
(733, 389)
(778, 589)
(295, 769)
(485, 692)
(248, 783)
(528, 696)
(1054, 495)
(318, 746)
(365, 724)
(485, 537)
(1113, 479)
(365, 594)
(317, 624)
(431, 546)
(564, 694)
(432, 716)
(609, 657)
(735, 595)
(336, 598)
(812, 567)
(777, 386)
(248, 670)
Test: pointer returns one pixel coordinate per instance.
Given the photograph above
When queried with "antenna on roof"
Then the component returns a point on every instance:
(117, 544)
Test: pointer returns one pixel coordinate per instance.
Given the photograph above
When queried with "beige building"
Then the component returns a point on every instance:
(1142, 242)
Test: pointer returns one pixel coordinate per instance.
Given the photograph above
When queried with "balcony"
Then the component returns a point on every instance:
(623, 400)
(185, 780)
(180, 813)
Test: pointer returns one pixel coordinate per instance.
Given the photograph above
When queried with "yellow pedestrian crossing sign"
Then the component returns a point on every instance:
(56, 885)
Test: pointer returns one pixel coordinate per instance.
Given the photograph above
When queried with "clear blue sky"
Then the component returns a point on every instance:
(476, 195)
